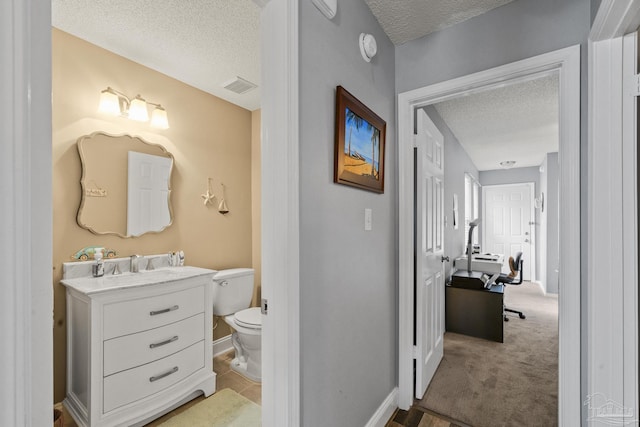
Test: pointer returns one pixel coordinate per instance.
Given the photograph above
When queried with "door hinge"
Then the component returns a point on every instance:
(415, 352)
(263, 306)
(634, 85)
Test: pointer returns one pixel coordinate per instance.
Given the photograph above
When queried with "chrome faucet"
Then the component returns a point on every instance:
(134, 267)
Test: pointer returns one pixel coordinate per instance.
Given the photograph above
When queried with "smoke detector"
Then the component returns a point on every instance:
(368, 46)
(239, 85)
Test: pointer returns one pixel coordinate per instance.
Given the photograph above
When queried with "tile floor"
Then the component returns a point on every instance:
(420, 417)
(226, 378)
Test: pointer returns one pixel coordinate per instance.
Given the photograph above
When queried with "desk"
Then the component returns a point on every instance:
(487, 263)
(475, 312)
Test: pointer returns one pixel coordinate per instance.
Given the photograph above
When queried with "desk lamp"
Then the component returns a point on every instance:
(473, 224)
(470, 279)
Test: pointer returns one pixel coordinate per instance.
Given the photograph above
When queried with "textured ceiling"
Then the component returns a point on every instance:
(517, 122)
(405, 20)
(204, 43)
(207, 43)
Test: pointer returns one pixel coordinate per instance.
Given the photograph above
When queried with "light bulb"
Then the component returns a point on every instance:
(159, 118)
(109, 102)
(138, 110)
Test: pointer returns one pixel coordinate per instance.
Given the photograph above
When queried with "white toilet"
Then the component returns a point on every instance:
(232, 292)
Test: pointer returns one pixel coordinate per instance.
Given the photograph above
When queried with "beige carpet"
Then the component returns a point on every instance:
(515, 383)
(224, 408)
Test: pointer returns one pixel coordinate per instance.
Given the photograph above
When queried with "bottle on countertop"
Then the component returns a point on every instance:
(98, 266)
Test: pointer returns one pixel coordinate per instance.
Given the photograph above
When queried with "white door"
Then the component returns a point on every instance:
(429, 277)
(147, 193)
(508, 223)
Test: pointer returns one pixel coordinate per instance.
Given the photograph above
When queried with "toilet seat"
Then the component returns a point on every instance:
(249, 318)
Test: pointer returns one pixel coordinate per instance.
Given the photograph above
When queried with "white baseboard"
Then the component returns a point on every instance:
(385, 411)
(221, 345)
(541, 286)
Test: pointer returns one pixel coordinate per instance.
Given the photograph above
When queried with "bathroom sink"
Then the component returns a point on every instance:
(109, 282)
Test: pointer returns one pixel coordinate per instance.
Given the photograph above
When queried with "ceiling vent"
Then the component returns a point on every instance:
(239, 85)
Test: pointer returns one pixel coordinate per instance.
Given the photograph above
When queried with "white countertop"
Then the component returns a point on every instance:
(109, 282)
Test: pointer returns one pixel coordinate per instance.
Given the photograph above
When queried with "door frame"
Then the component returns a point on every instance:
(26, 217)
(280, 213)
(566, 64)
(26, 368)
(532, 210)
(612, 326)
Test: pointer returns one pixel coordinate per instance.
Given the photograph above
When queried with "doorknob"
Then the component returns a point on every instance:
(526, 240)
(444, 258)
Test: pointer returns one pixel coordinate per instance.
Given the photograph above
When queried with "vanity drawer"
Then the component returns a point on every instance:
(127, 317)
(133, 350)
(134, 384)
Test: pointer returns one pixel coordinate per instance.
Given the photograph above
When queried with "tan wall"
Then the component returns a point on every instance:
(256, 203)
(208, 137)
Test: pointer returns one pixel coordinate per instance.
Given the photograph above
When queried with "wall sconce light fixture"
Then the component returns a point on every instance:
(118, 104)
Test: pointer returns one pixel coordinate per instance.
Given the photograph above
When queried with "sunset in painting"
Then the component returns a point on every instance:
(361, 146)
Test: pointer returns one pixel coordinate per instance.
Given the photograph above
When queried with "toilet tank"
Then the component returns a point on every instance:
(232, 290)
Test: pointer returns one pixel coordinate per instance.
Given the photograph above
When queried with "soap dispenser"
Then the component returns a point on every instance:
(98, 266)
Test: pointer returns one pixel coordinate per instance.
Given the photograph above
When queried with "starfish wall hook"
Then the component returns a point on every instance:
(208, 196)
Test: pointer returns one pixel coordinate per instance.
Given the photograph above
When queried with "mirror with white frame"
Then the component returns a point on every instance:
(126, 185)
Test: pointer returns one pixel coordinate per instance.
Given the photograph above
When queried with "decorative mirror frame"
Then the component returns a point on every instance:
(83, 183)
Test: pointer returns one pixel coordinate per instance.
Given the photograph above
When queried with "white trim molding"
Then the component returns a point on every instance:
(221, 345)
(612, 259)
(26, 306)
(385, 411)
(565, 63)
(630, 227)
(615, 18)
(280, 215)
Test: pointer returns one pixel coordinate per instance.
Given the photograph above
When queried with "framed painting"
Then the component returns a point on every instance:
(359, 145)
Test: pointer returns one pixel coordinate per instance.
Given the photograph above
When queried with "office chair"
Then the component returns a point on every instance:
(510, 279)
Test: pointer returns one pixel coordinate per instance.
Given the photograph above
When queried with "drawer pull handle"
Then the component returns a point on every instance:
(165, 342)
(166, 310)
(166, 374)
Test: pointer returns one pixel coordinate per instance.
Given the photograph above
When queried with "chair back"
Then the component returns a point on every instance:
(516, 266)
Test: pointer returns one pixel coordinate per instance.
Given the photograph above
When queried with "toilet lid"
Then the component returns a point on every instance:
(249, 318)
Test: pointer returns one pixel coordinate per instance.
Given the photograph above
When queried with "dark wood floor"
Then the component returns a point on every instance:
(420, 417)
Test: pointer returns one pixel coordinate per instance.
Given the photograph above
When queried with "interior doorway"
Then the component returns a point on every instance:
(279, 134)
(565, 64)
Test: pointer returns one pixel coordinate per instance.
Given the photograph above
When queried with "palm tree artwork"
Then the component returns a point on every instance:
(365, 135)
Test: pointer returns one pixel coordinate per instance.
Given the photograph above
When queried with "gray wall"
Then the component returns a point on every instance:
(511, 176)
(595, 5)
(456, 163)
(348, 279)
(549, 242)
(515, 31)
(551, 206)
(517, 176)
(542, 227)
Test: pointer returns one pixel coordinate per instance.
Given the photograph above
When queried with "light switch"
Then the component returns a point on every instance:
(367, 219)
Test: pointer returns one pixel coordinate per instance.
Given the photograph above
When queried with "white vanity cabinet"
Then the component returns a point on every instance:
(138, 344)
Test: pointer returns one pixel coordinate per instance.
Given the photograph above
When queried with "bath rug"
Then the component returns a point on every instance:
(224, 408)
